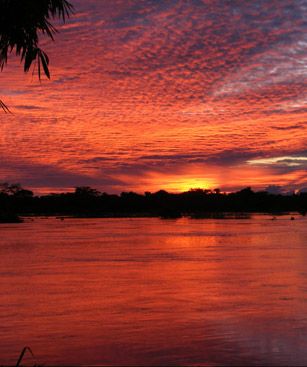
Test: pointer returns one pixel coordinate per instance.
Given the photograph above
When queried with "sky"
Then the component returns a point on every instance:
(163, 94)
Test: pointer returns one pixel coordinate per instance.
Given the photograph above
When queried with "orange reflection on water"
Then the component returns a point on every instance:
(153, 292)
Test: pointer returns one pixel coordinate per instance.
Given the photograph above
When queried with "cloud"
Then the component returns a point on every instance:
(30, 174)
(283, 162)
(163, 89)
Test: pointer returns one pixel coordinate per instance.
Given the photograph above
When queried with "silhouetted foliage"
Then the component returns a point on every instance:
(86, 191)
(15, 190)
(22, 22)
(197, 203)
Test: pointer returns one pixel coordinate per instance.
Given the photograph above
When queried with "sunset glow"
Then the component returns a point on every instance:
(148, 95)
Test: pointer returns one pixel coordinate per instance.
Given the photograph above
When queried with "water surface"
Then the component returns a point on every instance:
(155, 292)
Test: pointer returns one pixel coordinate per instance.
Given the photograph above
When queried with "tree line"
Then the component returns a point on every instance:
(197, 203)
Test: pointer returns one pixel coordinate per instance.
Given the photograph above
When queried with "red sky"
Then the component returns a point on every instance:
(150, 94)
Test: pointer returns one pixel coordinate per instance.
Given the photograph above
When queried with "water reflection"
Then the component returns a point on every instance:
(146, 291)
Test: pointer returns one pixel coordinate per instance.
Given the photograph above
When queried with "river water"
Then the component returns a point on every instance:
(147, 291)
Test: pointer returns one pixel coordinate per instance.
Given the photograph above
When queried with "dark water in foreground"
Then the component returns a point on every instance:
(148, 291)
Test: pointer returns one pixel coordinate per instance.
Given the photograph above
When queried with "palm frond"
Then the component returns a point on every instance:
(21, 25)
(22, 22)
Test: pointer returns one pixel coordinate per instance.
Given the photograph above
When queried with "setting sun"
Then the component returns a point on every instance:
(186, 184)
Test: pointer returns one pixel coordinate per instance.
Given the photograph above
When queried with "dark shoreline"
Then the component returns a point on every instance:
(197, 204)
(193, 216)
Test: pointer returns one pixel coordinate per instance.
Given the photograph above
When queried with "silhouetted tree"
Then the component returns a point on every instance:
(14, 190)
(246, 192)
(86, 191)
(197, 204)
(21, 24)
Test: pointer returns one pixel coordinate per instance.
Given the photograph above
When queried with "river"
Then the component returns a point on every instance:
(146, 291)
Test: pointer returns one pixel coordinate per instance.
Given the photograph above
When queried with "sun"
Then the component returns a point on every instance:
(175, 183)
(186, 184)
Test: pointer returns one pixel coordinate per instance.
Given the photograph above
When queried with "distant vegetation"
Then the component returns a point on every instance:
(85, 201)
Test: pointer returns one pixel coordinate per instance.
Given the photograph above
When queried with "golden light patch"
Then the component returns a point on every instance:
(187, 184)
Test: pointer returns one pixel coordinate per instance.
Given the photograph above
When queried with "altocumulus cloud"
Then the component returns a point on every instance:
(159, 87)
